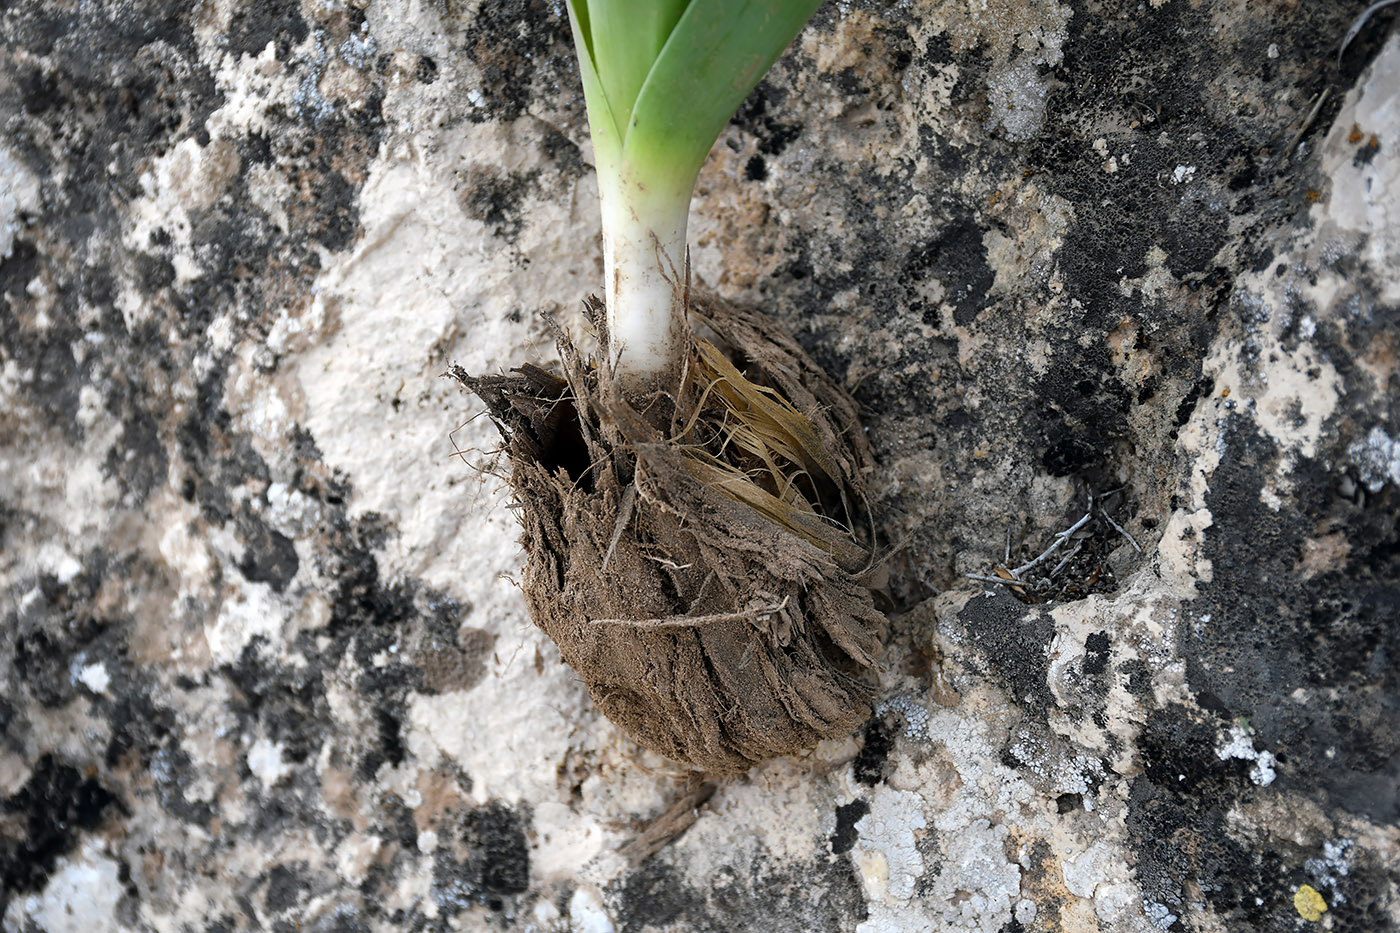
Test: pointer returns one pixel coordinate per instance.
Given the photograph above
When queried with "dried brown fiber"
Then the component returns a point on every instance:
(718, 625)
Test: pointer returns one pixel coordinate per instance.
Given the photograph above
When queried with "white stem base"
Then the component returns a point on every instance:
(644, 261)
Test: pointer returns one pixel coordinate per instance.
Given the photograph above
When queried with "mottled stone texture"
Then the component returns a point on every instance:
(262, 662)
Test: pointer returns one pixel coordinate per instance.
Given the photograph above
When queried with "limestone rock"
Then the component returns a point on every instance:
(262, 662)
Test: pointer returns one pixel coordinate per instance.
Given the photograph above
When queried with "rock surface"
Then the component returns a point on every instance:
(262, 662)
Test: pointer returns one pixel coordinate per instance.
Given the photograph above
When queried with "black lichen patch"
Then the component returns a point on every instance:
(427, 70)
(755, 116)
(138, 460)
(99, 92)
(1262, 629)
(390, 728)
(1196, 194)
(1096, 650)
(55, 626)
(284, 889)
(655, 895)
(496, 866)
(1366, 152)
(1013, 645)
(517, 45)
(869, 766)
(843, 838)
(1249, 888)
(1148, 201)
(824, 895)
(269, 556)
(497, 200)
(1082, 412)
(140, 727)
(957, 259)
(1178, 752)
(287, 702)
(496, 836)
(362, 600)
(1202, 388)
(44, 820)
(1197, 231)
(1184, 793)
(278, 22)
(215, 459)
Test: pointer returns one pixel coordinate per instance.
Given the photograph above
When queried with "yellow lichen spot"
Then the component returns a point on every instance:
(1309, 903)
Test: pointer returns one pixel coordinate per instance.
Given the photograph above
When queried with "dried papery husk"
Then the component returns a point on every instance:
(703, 579)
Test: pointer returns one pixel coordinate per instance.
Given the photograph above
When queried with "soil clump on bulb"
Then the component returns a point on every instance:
(704, 570)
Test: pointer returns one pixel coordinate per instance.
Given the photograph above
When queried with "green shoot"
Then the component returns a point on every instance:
(661, 78)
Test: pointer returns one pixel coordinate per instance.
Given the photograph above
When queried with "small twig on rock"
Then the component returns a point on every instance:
(1068, 557)
(676, 819)
(1059, 541)
(1120, 529)
(983, 578)
(1307, 122)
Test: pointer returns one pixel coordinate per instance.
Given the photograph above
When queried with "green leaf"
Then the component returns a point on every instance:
(605, 129)
(662, 77)
(717, 52)
(627, 36)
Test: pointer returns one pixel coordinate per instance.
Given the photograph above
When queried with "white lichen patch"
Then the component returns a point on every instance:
(587, 914)
(1156, 281)
(886, 854)
(1023, 41)
(1016, 96)
(249, 610)
(290, 511)
(1084, 871)
(80, 897)
(251, 84)
(19, 196)
(1302, 388)
(1365, 191)
(1377, 459)
(977, 886)
(71, 484)
(95, 677)
(1330, 870)
(186, 178)
(1141, 618)
(888, 862)
(265, 761)
(1239, 743)
(976, 805)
